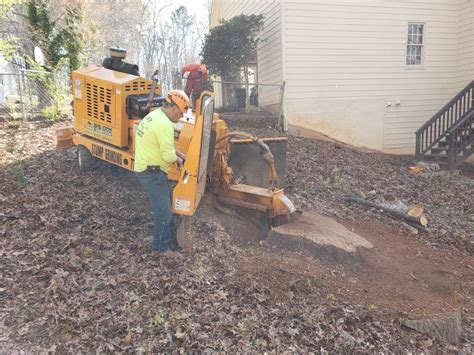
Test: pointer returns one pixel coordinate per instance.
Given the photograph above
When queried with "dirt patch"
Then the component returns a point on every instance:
(416, 288)
(405, 274)
(400, 274)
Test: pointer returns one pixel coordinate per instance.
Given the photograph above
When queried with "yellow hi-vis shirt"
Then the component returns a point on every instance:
(154, 142)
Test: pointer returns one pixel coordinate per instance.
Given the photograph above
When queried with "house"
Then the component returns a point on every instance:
(365, 72)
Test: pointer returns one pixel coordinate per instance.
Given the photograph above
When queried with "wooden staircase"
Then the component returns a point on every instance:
(448, 137)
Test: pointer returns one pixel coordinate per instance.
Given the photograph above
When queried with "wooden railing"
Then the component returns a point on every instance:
(437, 127)
(460, 136)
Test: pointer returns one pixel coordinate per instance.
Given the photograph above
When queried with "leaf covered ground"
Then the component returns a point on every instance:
(78, 273)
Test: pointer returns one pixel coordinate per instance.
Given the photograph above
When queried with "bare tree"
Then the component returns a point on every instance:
(152, 41)
(118, 23)
(178, 44)
(156, 34)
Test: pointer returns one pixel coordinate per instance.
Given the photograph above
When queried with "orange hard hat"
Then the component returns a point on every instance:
(179, 98)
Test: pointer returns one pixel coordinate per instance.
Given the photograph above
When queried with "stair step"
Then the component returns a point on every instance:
(436, 157)
(463, 133)
(444, 144)
(438, 150)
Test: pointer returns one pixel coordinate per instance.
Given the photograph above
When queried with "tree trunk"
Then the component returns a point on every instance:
(177, 81)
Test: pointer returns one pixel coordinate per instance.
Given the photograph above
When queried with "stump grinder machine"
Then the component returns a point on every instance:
(240, 169)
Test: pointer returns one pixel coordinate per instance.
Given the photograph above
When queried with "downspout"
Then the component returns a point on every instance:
(283, 64)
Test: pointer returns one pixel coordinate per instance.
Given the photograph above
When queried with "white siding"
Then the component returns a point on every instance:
(465, 64)
(269, 61)
(345, 61)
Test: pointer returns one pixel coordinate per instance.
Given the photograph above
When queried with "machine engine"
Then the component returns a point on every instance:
(138, 105)
(115, 62)
(108, 103)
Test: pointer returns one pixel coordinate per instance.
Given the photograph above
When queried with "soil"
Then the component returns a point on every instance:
(78, 273)
(409, 277)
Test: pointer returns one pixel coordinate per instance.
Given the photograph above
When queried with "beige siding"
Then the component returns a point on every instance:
(350, 55)
(269, 62)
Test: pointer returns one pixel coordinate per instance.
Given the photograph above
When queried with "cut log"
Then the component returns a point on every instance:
(421, 220)
(428, 166)
(444, 173)
(416, 210)
(415, 169)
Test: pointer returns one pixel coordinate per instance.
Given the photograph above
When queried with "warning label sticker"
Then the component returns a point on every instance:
(182, 205)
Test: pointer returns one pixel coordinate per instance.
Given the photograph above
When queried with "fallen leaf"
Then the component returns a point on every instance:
(158, 319)
(128, 339)
(293, 331)
(179, 334)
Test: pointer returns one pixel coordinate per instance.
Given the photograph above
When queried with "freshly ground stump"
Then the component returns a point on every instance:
(321, 236)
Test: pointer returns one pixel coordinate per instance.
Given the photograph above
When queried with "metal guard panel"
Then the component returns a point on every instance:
(249, 167)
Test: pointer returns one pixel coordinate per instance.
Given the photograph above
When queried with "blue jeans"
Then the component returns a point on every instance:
(156, 186)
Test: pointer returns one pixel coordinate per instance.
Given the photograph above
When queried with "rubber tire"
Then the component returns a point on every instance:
(85, 159)
(183, 235)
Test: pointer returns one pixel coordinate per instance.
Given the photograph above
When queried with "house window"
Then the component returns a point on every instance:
(415, 44)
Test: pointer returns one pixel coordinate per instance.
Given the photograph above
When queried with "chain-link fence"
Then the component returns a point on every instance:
(258, 103)
(31, 94)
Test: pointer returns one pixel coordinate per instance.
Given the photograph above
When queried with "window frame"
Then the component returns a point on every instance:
(422, 46)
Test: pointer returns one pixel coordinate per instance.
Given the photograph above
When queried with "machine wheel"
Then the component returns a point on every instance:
(183, 237)
(85, 159)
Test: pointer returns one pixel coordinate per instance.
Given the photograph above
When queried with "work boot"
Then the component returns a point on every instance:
(174, 246)
(170, 254)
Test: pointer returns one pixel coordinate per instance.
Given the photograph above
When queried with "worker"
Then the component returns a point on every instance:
(154, 153)
(197, 75)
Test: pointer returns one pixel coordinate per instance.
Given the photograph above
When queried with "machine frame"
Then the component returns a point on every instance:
(104, 129)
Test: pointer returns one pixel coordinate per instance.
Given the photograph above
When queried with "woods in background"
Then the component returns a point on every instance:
(156, 34)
